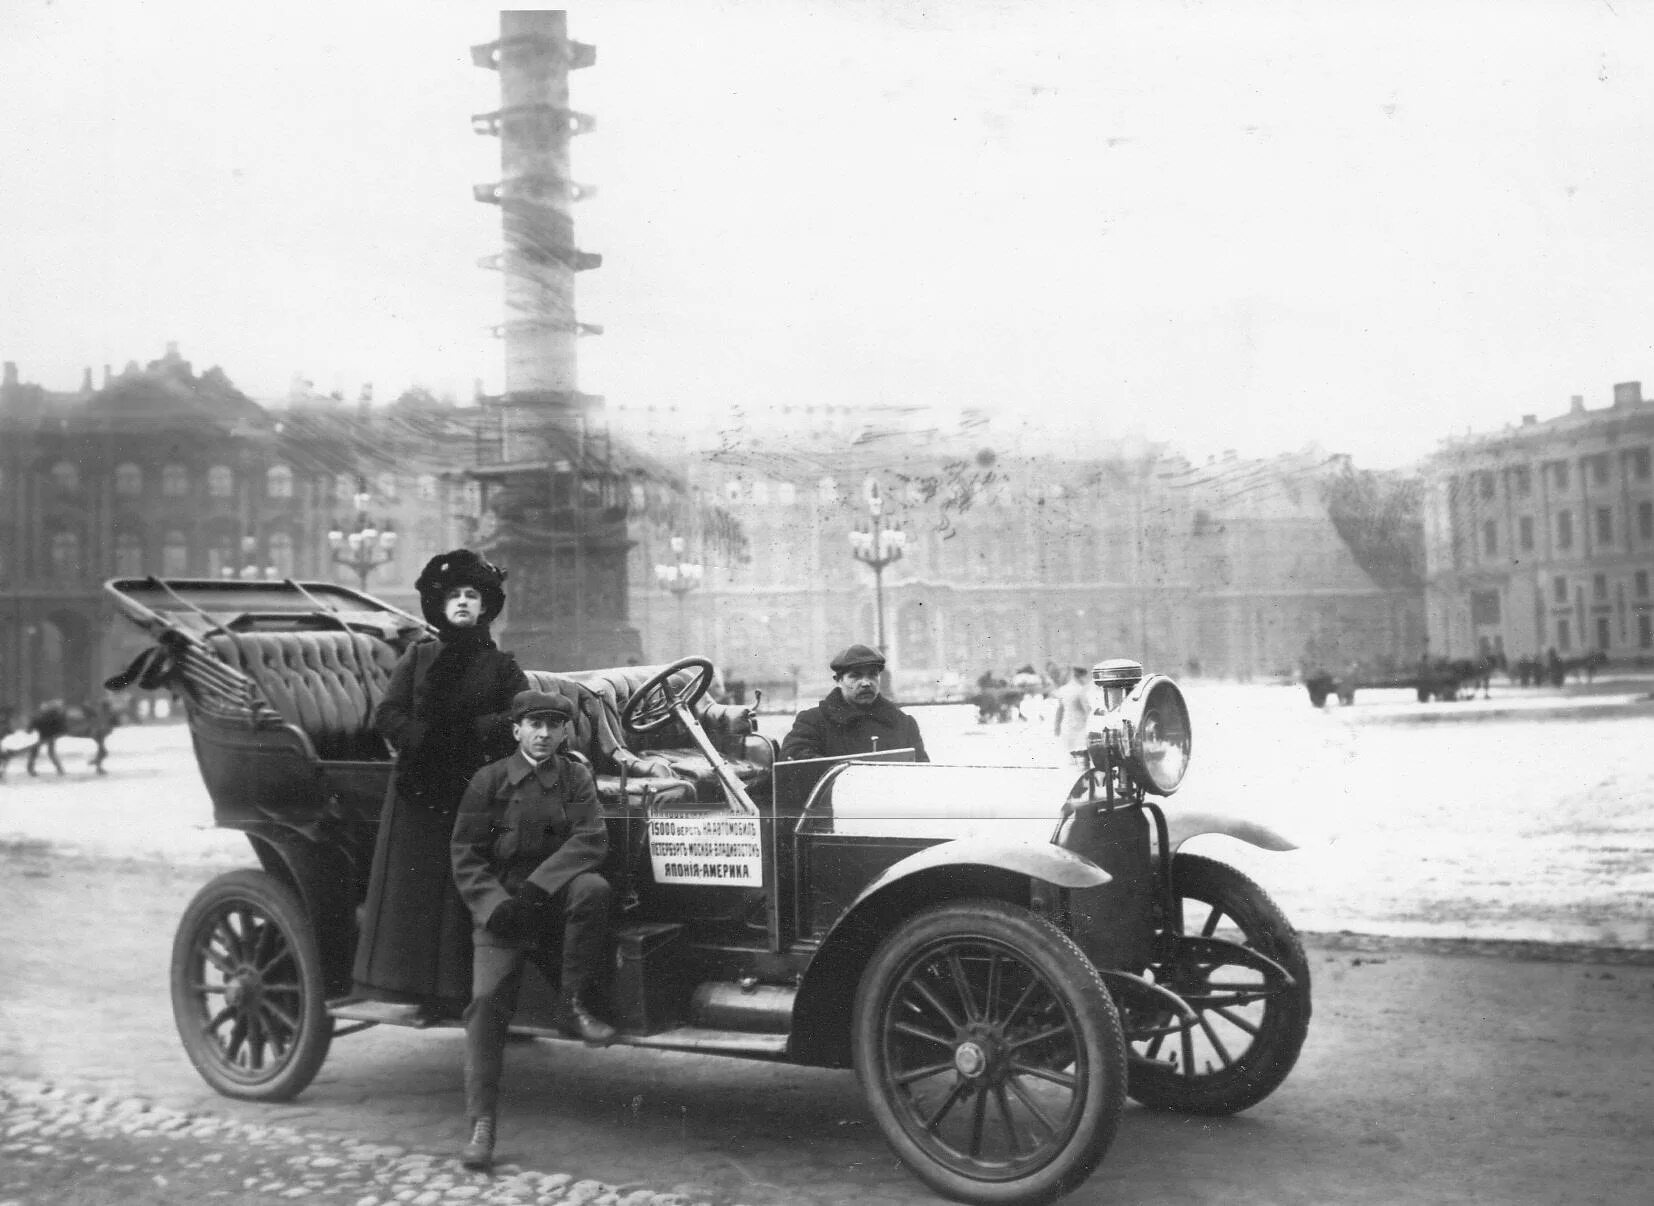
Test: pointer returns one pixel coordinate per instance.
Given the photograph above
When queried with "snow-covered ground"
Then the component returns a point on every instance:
(1529, 815)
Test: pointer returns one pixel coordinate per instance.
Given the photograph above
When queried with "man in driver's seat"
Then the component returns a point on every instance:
(854, 718)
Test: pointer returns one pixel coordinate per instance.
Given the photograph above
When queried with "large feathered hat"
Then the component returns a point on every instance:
(460, 567)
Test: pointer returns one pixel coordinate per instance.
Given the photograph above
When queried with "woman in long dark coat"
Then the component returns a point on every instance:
(446, 713)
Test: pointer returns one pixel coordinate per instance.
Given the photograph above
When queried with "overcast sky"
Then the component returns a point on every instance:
(1357, 223)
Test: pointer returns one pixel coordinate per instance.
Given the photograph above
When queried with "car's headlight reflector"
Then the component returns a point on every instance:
(1157, 754)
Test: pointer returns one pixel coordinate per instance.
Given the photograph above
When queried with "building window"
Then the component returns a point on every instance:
(1639, 464)
(1599, 587)
(278, 482)
(761, 493)
(65, 476)
(425, 487)
(1564, 529)
(223, 559)
(281, 553)
(1599, 469)
(1559, 589)
(1645, 519)
(65, 552)
(1602, 632)
(786, 494)
(1640, 583)
(1484, 607)
(1559, 470)
(1524, 533)
(1564, 636)
(175, 555)
(344, 489)
(1484, 484)
(389, 488)
(220, 482)
(1521, 481)
(1490, 537)
(129, 480)
(1605, 525)
(1645, 631)
(175, 481)
(129, 554)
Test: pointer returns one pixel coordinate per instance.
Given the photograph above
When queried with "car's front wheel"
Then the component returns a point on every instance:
(990, 1053)
(247, 988)
(1239, 966)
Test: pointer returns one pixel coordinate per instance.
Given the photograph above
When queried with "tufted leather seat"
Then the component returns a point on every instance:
(326, 684)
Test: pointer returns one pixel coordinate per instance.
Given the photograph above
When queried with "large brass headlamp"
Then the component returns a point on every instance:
(1142, 727)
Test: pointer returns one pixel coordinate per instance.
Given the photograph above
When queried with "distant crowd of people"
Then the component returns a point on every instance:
(1057, 696)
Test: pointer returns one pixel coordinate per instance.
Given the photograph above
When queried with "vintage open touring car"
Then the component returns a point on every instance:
(1003, 955)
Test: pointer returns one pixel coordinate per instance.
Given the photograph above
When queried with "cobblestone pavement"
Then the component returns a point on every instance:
(77, 1149)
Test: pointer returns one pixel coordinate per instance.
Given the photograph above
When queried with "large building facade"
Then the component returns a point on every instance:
(161, 471)
(1541, 536)
(1016, 553)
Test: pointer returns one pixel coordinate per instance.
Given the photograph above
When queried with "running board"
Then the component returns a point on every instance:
(688, 1038)
(683, 1038)
(388, 1013)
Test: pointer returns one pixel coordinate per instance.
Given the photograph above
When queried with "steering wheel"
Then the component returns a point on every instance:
(652, 704)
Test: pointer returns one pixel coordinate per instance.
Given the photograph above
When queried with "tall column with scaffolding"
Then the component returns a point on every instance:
(554, 509)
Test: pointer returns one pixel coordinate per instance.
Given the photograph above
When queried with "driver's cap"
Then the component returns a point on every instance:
(857, 655)
(540, 703)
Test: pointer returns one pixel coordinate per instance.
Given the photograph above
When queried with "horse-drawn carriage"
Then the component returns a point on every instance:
(1443, 679)
(1002, 954)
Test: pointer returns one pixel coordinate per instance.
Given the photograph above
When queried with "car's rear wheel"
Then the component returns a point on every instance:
(1249, 1020)
(247, 988)
(990, 1053)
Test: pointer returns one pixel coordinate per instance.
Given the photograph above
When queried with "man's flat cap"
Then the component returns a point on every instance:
(856, 655)
(540, 703)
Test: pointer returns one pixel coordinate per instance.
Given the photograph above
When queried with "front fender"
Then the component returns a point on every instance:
(991, 867)
(1039, 860)
(1183, 824)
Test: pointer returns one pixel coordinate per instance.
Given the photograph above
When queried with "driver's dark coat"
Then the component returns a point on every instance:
(524, 823)
(837, 727)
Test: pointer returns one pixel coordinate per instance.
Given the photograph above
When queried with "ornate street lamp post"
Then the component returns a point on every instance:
(680, 577)
(366, 547)
(878, 545)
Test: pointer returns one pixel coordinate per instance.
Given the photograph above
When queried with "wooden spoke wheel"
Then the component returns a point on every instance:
(1249, 1019)
(990, 1053)
(247, 989)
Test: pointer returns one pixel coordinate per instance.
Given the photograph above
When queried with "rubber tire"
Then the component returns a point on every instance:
(1053, 954)
(274, 903)
(1271, 1055)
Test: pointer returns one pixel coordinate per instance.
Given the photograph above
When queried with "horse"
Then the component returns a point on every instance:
(13, 740)
(55, 720)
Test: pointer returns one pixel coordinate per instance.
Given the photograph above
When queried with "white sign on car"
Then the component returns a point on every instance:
(717, 848)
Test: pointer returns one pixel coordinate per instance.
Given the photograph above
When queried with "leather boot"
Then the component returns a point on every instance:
(579, 1022)
(478, 1154)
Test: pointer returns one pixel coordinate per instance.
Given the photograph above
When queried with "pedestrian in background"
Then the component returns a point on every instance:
(446, 713)
(1073, 712)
